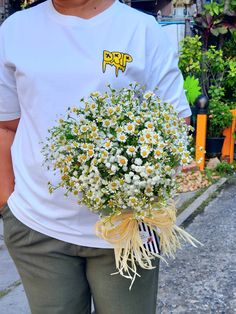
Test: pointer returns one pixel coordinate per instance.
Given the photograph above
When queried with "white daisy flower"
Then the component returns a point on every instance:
(148, 136)
(145, 151)
(142, 139)
(149, 125)
(130, 128)
(138, 120)
(108, 144)
(149, 190)
(118, 109)
(122, 137)
(148, 94)
(110, 111)
(93, 106)
(90, 153)
(119, 129)
(133, 201)
(82, 158)
(94, 128)
(106, 123)
(131, 150)
(114, 185)
(95, 94)
(158, 153)
(84, 128)
(122, 160)
(149, 170)
(104, 153)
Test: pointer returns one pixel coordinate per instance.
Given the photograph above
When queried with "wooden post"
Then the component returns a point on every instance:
(201, 139)
(228, 147)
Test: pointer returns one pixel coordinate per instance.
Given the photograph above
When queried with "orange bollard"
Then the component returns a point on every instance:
(201, 140)
(228, 147)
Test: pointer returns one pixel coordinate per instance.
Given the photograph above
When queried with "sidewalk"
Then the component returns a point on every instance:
(175, 279)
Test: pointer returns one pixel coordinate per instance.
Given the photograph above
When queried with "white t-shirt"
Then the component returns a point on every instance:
(48, 62)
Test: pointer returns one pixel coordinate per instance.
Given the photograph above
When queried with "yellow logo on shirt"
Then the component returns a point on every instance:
(116, 59)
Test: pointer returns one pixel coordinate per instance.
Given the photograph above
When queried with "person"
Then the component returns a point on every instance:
(52, 55)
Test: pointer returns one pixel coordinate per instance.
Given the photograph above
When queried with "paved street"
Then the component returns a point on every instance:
(198, 281)
(203, 280)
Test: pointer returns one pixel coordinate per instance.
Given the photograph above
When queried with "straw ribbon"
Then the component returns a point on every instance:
(122, 232)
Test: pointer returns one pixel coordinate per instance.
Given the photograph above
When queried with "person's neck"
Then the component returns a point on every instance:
(83, 8)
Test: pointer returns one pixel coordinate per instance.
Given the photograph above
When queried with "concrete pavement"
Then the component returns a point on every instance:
(202, 280)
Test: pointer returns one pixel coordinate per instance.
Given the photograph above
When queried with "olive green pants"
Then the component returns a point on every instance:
(59, 277)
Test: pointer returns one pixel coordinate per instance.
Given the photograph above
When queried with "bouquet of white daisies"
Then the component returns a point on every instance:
(118, 154)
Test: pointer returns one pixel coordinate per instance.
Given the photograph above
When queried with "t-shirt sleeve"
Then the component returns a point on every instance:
(164, 73)
(9, 103)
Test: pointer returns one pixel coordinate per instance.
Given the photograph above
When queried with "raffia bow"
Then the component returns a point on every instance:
(122, 232)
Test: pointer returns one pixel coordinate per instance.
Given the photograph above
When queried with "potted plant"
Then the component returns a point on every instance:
(216, 71)
(219, 118)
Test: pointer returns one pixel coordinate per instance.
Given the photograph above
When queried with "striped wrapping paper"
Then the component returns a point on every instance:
(150, 238)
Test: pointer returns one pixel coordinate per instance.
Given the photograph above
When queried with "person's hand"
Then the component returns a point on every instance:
(7, 182)
(5, 194)
(6, 190)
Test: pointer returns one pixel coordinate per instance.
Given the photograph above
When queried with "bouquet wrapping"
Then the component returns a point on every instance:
(119, 154)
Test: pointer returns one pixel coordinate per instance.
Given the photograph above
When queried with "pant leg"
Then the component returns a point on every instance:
(54, 279)
(111, 292)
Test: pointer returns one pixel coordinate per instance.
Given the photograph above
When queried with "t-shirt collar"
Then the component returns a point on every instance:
(75, 20)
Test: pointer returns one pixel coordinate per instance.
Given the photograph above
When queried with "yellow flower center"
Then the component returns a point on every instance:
(90, 152)
(122, 161)
(83, 157)
(108, 144)
(148, 170)
(130, 127)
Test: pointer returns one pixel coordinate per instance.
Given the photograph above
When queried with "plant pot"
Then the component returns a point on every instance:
(214, 146)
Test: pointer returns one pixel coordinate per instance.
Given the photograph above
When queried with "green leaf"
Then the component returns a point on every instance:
(222, 30)
(216, 10)
(192, 88)
(215, 31)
